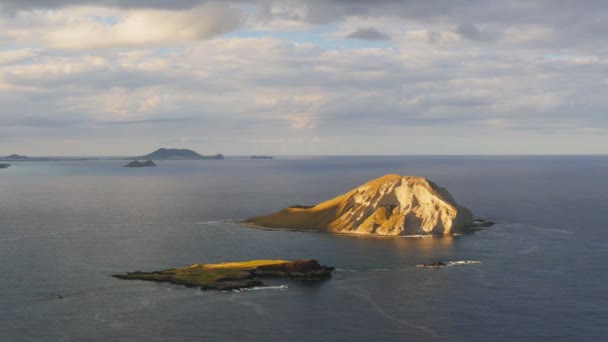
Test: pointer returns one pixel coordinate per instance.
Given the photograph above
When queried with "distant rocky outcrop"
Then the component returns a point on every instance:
(433, 264)
(388, 206)
(20, 158)
(137, 163)
(4, 166)
(175, 154)
(15, 157)
(439, 264)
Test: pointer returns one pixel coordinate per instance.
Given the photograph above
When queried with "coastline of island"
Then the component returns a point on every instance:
(234, 275)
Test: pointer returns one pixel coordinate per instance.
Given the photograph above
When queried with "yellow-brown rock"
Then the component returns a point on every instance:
(390, 205)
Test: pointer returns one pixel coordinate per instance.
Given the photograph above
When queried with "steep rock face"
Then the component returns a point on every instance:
(300, 269)
(389, 205)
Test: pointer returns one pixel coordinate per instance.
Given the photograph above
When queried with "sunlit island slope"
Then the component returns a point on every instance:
(234, 275)
(388, 206)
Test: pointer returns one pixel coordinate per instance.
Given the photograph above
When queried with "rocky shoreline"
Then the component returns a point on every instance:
(235, 276)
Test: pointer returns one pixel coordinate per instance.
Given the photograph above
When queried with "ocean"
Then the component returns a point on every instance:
(67, 226)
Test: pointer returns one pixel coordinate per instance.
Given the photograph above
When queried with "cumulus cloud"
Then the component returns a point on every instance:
(136, 73)
(92, 27)
(17, 55)
(368, 33)
(18, 5)
(472, 32)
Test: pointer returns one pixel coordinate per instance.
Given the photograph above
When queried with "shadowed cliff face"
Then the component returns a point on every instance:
(389, 205)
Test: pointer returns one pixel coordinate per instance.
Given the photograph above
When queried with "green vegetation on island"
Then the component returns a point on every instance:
(4, 166)
(234, 275)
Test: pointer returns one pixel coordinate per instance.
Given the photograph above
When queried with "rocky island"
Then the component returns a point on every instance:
(20, 158)
(137, 163)
(15, 157)
(392, 205)
(4, 166)
(177, 154)
(234, 275)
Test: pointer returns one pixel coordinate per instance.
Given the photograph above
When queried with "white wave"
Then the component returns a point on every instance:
(37, 236)
(462, 262)
(275, 287)
(450, 263)
(542, 229)
(344, 270)
(379, 269)
(212, 222)
(208, 223)
(257, 288)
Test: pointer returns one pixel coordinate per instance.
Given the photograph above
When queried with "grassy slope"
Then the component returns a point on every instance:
(203, 274)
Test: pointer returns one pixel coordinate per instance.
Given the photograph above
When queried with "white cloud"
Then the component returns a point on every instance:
(75, 28)
(17, 55)
(161, 78)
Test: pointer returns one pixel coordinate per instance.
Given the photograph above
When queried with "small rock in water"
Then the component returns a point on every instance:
(482, 223)
(433, 264)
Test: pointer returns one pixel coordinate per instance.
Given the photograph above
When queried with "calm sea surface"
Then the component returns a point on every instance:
(65, 227)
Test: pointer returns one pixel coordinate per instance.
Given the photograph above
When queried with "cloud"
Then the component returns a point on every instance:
(20, 5)
(77, 28)
(133, 73)
(472, 32)
(14, 56)
(368, 33)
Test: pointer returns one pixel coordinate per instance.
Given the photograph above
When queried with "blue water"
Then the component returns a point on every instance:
(65, 227)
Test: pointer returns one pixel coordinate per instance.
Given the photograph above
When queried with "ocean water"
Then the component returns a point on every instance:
(66, 226)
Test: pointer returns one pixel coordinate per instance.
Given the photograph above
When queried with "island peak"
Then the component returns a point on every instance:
(387, 206)
(15, 157)
(177, 153)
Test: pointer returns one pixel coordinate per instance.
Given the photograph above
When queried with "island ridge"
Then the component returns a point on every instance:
(388, 206)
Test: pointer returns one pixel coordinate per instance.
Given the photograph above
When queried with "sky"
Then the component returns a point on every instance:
(306, 77)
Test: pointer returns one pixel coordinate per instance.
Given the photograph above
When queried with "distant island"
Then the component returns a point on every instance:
(15, 157)
(137, 163)
(391, 205)
(4, 166)
(177, 154)
(160, 154)
(20, 158)
(262, 157)
(234, 275)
